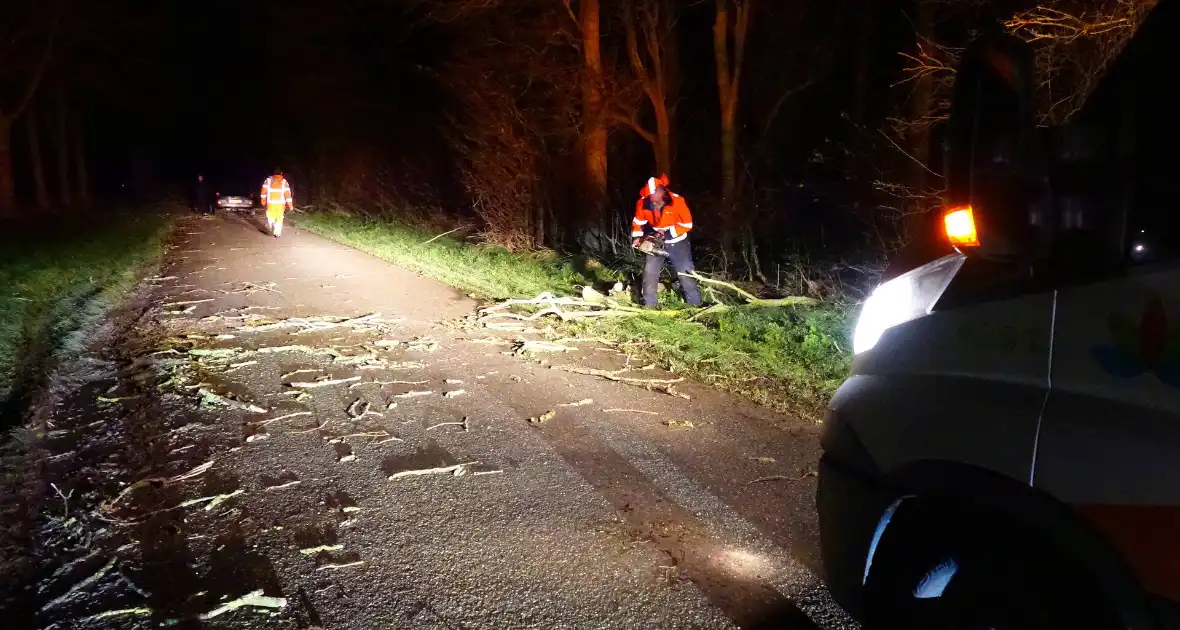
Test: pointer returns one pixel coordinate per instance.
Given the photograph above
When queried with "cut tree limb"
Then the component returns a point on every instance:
(324, 383)
(457, 470)
(254, 599)
(750, 297)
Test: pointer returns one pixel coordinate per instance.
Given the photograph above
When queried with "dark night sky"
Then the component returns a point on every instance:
(234, 88)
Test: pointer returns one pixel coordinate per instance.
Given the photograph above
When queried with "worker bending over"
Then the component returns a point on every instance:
(276, 194)
(663, 215)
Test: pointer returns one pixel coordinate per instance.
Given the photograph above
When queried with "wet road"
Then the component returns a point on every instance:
(326, 428)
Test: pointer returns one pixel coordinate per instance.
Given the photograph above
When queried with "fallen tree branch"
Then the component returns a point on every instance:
(810, 473)
(290, 374)
(286, 417)
(311, 551)
(94, 577)
(414, 394)
(750, 297)
(461, 227)
(255, 599)
(118, 613)
(463, 424)
(614, 376)
(164, 481)
(324, 383)
(213, 501)
(210, 398)
(339, 565)
(457, 470)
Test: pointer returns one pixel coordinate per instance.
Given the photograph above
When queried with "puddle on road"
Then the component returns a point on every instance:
(431, 455)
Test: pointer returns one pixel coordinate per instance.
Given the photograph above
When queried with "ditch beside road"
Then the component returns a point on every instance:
(289, 433)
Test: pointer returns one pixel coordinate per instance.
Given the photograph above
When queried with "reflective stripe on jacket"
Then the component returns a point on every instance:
(674, 219)
(276, 191)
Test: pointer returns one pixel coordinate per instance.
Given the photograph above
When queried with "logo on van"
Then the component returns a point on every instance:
(1146, 346)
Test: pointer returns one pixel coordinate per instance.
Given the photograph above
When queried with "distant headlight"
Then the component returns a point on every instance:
(902, 299)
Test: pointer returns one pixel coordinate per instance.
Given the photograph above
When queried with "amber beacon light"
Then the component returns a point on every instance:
(959, 224)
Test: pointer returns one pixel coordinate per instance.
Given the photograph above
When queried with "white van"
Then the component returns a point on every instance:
(1006, 452)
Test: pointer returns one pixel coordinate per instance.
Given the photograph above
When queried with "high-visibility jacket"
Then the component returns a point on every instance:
(674, 220)
(276, 191)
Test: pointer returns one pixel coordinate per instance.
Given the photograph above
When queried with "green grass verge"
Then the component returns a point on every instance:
(791, 358)
(487, 271)
(54, 281)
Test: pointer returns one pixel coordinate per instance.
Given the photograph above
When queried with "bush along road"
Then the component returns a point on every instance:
(290, 433)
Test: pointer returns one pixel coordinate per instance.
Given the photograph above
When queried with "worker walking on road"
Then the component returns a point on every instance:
(663, 215)
(202, 198)
(277, 196)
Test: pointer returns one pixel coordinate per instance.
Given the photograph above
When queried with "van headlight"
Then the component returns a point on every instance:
(904, 298)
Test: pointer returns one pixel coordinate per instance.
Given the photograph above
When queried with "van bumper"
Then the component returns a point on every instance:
(849, 507)
(851, 497)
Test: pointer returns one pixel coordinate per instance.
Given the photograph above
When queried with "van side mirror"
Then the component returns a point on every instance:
(994, 152)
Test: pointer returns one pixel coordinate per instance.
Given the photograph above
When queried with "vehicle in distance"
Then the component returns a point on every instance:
(1006, 451)
(234, 202)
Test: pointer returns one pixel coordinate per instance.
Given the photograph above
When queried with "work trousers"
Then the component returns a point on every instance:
(680, 257)
(274, 218)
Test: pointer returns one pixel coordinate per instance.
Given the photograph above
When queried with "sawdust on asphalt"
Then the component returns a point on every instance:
(288, 433)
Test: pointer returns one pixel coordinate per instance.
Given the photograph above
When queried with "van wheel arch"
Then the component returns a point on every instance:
(1053, 523)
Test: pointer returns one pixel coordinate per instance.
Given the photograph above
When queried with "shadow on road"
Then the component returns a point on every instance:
(692, 551)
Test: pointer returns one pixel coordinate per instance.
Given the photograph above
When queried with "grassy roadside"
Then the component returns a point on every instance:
(789, 358)
(54, 282)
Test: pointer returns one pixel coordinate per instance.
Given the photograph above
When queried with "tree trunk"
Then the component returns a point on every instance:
(729, 169)
(729, 72)
(7, 185)
(62, 145)
(80, 170)
(671, 70)
(657, 22)
(663, 141)
(36, 159)
(593, 116)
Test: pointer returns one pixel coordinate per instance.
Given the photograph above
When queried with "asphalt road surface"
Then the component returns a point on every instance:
(288, 433)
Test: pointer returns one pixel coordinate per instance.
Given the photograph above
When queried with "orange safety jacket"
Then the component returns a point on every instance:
(276, 191)
(674, 219)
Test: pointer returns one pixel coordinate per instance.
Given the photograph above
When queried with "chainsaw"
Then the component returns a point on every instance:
(652, 244)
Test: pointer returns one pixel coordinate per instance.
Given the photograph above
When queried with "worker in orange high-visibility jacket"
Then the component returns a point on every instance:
(664, 214)
(277, 197)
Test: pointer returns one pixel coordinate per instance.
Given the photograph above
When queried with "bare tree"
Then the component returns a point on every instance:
(1073, 41)
(26, 47)
(81, 173)
(594, 111)
(520, 131)
(36, 159)
(653, 64)
(61, 143)
(729, 78)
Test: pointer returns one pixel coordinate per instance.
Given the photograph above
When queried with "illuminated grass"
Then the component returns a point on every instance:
(54, 281)
(791, 359)
(487, 271)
